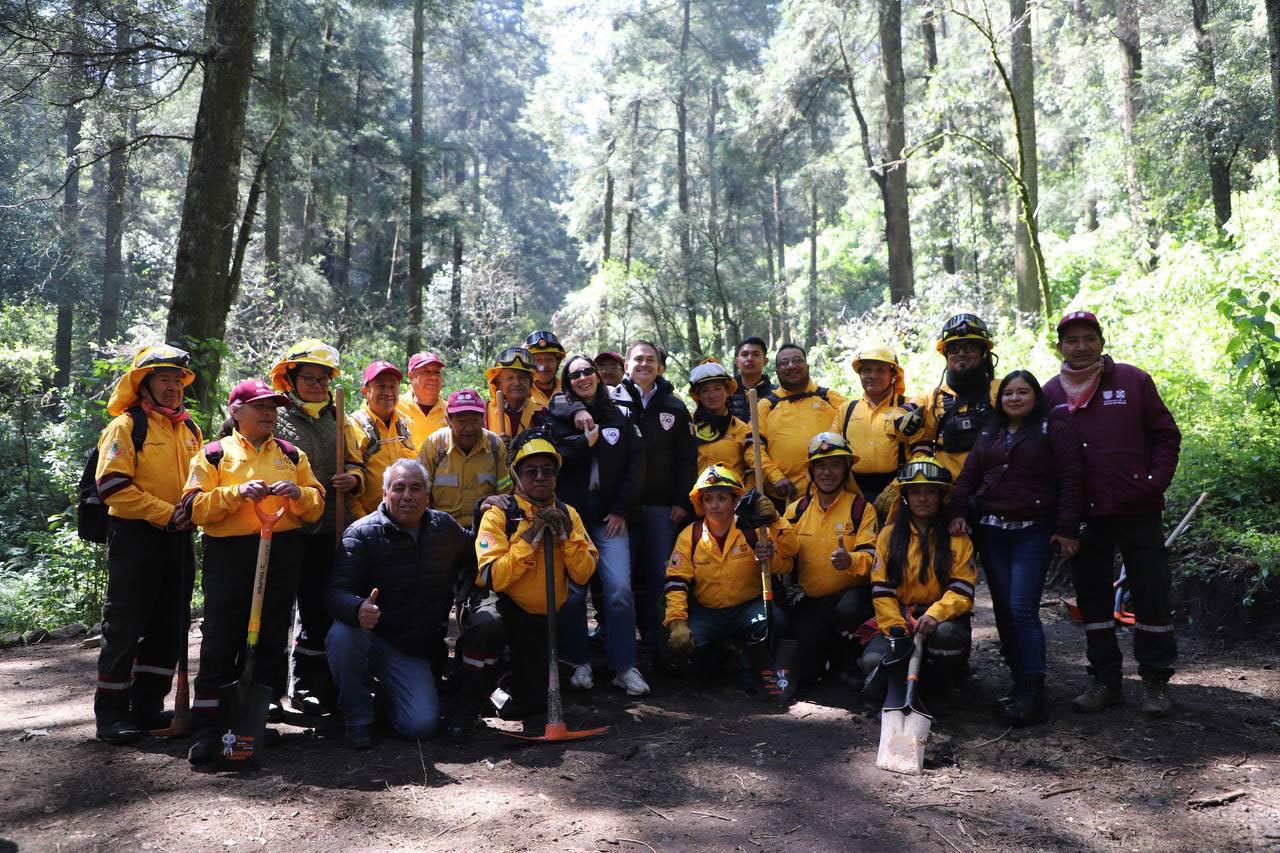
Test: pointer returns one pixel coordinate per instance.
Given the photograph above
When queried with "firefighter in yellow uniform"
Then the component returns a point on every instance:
(946, 421)
(421, 403)
(713, 578)
(835, 529)
(226, 478)
(869, 424)
(922, 584)
(791, 415)
(546, 352)
(512, 374)
(511, 560)
(723, 439)
(143, 457)
(379, 434)
(465, 462)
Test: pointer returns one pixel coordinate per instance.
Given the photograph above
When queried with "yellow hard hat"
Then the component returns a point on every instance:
(145, 362)
(715, 476)
(875, 352)
(310, 351)
(830, 445)
(709, 371)
(533, 442)
(922, 470)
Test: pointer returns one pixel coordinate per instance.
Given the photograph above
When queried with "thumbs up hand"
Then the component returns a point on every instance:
(369, 612)
(840, 558)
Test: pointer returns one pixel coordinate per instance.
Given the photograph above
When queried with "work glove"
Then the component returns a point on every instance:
(747, 511)
(910, 421)
(557, 519)
(765, 510)
(681, 638)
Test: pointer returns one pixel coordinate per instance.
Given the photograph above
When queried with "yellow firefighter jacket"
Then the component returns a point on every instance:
(421, 425)
(214, 490)
(378, 444)
(146, 485)
(788, 424)
(819, 531)
(512, 566)
(956, 599)
(720, 577)
(456, 480)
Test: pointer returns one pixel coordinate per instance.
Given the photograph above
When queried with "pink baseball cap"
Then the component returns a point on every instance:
(377, 368)
(1086, 317)
(610, 354)
(465, 400)
(250, 390)
(422, 359)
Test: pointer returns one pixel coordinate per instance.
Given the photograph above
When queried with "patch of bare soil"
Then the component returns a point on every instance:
(690, 768)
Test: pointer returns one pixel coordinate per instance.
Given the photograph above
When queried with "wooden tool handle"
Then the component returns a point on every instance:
(763, 533)
(340, 505)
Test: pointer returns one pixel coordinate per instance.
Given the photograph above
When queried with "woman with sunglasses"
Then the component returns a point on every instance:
(601, 477)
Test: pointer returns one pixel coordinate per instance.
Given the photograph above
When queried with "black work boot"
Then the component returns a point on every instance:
(1155, 698)
(120, 732)
(1101, 694)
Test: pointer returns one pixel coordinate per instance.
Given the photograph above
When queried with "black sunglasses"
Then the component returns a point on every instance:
(578, 374)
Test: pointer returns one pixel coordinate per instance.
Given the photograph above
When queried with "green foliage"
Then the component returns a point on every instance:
(1254, 345)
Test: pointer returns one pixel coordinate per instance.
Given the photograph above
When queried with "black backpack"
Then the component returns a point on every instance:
(91, 511)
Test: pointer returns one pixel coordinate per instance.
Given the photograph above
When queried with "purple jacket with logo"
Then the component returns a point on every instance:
(1129, 438)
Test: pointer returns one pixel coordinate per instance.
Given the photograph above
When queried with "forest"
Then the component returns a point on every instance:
(234, 175)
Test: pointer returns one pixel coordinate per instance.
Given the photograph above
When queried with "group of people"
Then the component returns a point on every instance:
(870, 517)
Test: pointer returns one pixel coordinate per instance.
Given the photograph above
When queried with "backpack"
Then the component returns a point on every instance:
(844, 433)
(855, 511)
(370, 430)
(91, 511)
(774, 399)
(213, 452)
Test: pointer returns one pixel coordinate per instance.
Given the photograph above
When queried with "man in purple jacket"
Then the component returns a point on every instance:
(1130, 444)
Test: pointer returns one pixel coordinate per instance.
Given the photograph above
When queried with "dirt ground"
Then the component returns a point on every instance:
(689, 768)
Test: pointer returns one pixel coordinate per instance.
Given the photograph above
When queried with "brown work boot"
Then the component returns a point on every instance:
(1100, 695)
(1155, 698)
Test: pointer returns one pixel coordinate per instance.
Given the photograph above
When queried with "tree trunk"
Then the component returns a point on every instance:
(811, 336)
(629, 228)
(1129, 33)
(455, 272)
(766, 228)
(1026, 273)
(897, 214)
(72, 124)
(348, 215)
(117, 180)
(310, 210)
(713, 195)
(1273, 42)
(784, 324)
(607, 237)
(417, 219)
(276, 167)
(682, 195)
(201, 293)
(1219, 166)
(930, 32)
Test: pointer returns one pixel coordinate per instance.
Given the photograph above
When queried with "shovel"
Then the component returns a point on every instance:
(242, 704)
(555, 729)
(904, 723)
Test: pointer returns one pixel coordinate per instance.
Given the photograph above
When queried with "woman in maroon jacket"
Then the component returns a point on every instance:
(1022, 486)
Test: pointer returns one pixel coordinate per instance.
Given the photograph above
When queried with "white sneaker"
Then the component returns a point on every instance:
(632, 682)
(581, 679)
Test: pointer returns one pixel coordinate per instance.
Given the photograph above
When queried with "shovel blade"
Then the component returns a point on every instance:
(242, 723)
(902, 740)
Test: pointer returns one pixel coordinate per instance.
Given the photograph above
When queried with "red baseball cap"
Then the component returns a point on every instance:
(250, 390)
(422, 359)
(377, 368)
(465, 400)
(1086, 317)
(613, 355)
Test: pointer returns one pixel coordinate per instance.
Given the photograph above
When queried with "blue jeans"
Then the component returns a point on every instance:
(614, 570)
(655, 540)
(1015, 562)
(407, 683)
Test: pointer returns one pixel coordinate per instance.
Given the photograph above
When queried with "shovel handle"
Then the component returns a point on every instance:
(555, 709)
(913, 667)
(753, 402)
(501, 400)
(340, 504)
(268, 519)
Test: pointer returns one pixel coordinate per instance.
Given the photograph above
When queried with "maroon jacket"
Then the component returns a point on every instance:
(1129, 438)
(1040, 477)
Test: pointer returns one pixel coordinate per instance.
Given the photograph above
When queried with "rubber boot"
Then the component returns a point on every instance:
(1027, 707)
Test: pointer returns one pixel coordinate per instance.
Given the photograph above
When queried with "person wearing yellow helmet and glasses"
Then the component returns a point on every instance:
(421, 403)
(835, 529)
(946, 421)
(922, 583)
(713, 576)
(546, 352)
(310, 422)
(511, 564)
(144, 455)
(868, 424)
(723, 438)
(512, 374)
(378, 434)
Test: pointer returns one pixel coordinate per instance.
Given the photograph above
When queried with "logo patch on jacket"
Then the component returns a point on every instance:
(485, 541)
(1114, 398)
(611, 434)
(667, 420)
(114, 451)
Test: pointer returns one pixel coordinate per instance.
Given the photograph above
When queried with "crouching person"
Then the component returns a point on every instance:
(390, 597)
(511, 564)
(922, 584)
(713, 585)
(227, 477)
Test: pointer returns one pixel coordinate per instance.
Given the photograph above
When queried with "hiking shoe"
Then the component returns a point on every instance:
(120, 732)
(1100, 695)
(203, 749)
(582, 677)
(360, 737)
(632, 681)
(1155, 698)
(152, 719)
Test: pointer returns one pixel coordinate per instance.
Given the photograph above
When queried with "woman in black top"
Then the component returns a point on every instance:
(601, 477)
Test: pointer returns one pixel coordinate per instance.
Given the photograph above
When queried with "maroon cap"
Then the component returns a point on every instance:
(377, 368)
(422, 359)
(1086, 317)
(613, 355)
(250, 390)
(465, 400)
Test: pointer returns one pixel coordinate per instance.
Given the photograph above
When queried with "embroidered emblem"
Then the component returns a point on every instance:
(485, 541)
(667, 420)
(610, 434)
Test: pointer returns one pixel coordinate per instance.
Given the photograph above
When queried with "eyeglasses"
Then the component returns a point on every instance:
(538, 472)
(579, 374)
(515, 357)
(788, 362)
(958, 347)
(322, 380)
